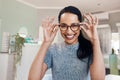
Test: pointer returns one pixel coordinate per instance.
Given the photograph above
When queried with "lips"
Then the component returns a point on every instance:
(69, 36)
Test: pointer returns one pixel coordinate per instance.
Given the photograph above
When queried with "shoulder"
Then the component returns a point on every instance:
(56, 46)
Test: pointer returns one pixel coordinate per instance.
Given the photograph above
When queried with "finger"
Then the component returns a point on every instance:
(87, 18)
(92, 18)
(52, 28)
(51, 21)
(45, 22)
(86, 25)
(47, 18)
(54, 32)
(83, 28)
(56, 28)
(96, 20)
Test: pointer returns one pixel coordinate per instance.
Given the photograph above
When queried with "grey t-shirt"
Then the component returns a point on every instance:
(65, 65)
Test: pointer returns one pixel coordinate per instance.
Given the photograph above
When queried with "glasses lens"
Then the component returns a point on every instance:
(75, 26)
(63, 26)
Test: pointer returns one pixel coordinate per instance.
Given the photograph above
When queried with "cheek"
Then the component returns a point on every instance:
(62, 33)
(77, 33)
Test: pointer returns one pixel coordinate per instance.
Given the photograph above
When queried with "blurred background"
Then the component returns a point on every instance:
(25, 16)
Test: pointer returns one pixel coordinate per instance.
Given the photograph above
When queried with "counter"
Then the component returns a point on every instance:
(6, 66)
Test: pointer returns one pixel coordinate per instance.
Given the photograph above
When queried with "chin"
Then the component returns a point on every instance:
(70, 42)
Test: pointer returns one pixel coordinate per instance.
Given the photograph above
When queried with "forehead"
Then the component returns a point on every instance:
(69, 18)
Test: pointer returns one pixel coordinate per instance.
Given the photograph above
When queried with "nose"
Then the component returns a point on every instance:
(69, 30)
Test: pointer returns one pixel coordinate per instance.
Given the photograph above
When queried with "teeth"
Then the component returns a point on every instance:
(69, 36)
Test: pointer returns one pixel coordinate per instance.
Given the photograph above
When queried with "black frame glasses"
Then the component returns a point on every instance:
(73, 26)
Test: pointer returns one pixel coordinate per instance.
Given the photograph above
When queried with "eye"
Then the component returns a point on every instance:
(75, 25)
(63, 25)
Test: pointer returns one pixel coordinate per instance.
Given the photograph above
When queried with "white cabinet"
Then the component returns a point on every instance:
(6, 66)
(3, 66)
(28, 54)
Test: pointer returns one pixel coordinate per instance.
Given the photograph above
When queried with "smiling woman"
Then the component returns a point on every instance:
(69, 33)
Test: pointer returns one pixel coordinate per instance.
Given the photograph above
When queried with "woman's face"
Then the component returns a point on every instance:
(70, 35)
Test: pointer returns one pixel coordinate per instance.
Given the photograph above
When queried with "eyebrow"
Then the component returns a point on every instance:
(70, 24)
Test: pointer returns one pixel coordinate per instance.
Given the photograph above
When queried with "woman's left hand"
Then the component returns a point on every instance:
(90, 27)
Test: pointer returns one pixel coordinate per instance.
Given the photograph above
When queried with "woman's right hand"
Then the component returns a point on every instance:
(49, 29)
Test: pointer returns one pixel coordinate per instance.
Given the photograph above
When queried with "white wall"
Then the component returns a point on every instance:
(0, 7)
(0, 34)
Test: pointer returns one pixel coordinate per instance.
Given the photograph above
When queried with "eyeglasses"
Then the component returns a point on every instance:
(73, 26)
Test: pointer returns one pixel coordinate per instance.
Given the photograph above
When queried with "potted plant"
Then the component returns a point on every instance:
(19, 43)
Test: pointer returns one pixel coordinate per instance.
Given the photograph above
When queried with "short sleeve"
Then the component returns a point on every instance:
(48, 57)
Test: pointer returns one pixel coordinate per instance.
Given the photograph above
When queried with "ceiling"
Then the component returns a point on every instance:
(108, 11)
(93, 6)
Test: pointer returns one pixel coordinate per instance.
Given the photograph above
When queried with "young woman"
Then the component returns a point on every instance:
(74, 58)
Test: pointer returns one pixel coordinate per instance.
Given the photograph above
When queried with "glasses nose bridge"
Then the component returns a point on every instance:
(69, 28)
